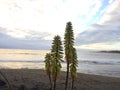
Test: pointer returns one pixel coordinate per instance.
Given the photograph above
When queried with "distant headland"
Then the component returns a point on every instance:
(112, 51)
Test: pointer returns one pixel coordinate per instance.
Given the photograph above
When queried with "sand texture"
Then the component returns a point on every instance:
(35, 79)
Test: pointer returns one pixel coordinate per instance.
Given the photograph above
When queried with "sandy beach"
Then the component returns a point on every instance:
(33, 78)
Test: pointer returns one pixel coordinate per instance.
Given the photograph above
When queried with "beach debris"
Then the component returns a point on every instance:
(2, 83)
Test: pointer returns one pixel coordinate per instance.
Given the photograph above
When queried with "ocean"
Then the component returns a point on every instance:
(106, 64)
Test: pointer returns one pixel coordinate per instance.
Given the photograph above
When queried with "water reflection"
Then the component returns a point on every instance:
(16, 54)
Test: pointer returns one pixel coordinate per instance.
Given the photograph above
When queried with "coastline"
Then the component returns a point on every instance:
(37, 77)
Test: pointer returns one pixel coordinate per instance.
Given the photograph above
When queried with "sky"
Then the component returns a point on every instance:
(32, 24)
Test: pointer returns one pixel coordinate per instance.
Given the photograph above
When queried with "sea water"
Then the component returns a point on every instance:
(106, 64)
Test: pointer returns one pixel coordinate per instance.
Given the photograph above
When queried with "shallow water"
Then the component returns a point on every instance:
(106, 64)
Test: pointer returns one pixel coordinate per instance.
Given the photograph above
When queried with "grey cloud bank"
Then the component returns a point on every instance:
(7, 41)
(98, 36)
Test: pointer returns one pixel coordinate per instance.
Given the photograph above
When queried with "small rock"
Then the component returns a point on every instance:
(22, 87)
(35, 88)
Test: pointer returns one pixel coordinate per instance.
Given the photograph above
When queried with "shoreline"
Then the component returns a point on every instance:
(37, 77)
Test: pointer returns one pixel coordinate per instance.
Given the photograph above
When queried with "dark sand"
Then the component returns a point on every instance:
(34, 77)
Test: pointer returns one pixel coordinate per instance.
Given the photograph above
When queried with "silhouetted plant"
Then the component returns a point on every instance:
(48, 66)
(57, 55)
(68, 44)
(73, 68)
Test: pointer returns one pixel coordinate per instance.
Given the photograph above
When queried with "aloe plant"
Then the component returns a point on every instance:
(73, 67)
(48, 67)
(68, 44)
(57, 55)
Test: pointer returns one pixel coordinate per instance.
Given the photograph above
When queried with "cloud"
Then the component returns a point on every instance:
(111, 14)
(28, 34)
(33, 23)
(98, 36)
(47, 15)
(110, 1)
(110, 19)
(100, 46)
(106, 33)
(7, 41)
(20, 14)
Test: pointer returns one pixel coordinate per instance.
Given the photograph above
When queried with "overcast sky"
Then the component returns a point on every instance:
(32, 24)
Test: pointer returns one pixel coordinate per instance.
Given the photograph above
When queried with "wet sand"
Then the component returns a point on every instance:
(32, 78)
